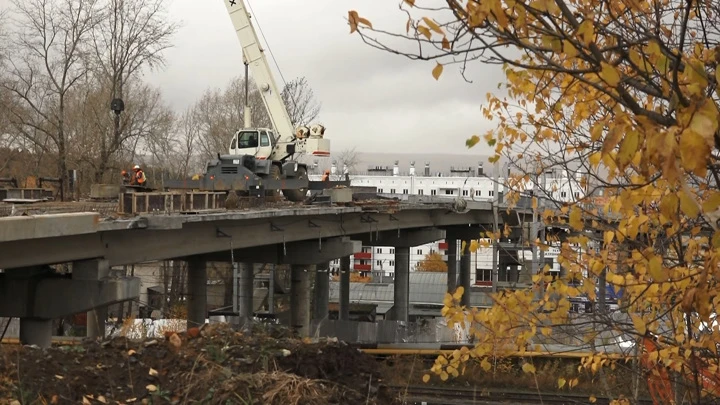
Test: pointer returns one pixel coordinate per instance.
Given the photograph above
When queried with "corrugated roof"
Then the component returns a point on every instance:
(425, 288)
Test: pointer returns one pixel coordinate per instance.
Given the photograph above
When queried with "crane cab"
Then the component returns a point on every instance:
(258, 142)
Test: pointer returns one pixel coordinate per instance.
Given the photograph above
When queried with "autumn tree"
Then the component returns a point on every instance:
(621, 96)
(432, 262)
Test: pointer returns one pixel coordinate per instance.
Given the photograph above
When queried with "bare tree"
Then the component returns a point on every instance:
(350, 158)
(46, 65)
(300, 102)
(133, 35)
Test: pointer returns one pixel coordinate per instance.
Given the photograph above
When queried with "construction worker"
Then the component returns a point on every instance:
(326, 176)
(125, 177)
(139, 178)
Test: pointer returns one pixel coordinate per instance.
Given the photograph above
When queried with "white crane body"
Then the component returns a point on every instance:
(284, 142)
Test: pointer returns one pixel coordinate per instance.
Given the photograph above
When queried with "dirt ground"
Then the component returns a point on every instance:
(215, 365)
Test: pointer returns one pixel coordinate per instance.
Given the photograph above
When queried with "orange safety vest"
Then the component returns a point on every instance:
(140, 177)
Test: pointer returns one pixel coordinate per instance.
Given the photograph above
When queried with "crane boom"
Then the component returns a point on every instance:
(255, 58)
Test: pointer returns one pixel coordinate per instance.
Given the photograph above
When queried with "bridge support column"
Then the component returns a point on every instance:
(465, 263)
(197, 292)
(451, 263)
(322, 291)
(300, 298)
(96, 318)
(245, 292)
(401, 298)
(344, 314)
(36, 331)
(95, 323)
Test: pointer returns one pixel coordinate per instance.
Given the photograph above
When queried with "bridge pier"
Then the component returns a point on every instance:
(401, 296)
(197, 291)
(344, 314)
(245, 292)
(321, 301)
(452, 263)
(36, 331)
(300, 297)
(465, 263)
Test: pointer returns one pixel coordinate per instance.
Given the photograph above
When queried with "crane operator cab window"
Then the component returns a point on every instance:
(247, 140)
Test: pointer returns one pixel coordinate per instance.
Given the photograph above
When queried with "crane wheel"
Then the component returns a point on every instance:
(297, 195)
(275, 175)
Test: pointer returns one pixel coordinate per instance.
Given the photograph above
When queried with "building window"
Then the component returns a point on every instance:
(392, 262)
(380, 190)
(478, 193)
(419, 251)
(432, 251)
(378, 250)
(433, 192)
(405, 191)
(492, 193)
(420, 192)
(563, 194)
(366, 249)
(465, 192)
(448, 192)
(392, 250)
(392, 191)
(577, 195)
(379, 263)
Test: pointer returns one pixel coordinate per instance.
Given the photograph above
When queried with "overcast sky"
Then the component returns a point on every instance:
(371, 100)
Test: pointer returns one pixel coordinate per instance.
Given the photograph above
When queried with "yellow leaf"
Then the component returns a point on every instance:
(444, 376)
(592, 399)
(628, 147)
(485, 364)
(639, 323)
(410, 2)
(528, 368)
(458, 293)
(712, 203)
(704, 125)
(433, 25)
(608, 237)
(151, 388)
(595, 159)
(688, 205)
(561, 382)
(437, 71)
(472, 141)
(575, 219)
(694, 151)
(445, 43)
(426, 378)
(609, 74)
(655, 268)
(425, 31)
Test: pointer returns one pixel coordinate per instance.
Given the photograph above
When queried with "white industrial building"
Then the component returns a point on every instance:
(468, 183)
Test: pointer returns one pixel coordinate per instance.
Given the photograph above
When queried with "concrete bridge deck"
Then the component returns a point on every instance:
(306, 237)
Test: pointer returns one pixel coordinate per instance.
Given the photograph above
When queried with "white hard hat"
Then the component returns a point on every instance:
(136, 167)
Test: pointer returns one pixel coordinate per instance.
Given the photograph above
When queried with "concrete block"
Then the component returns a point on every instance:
(105, 191)
(48, 226)
(339, 195)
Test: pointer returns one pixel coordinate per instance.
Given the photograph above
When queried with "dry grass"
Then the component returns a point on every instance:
(278, 388)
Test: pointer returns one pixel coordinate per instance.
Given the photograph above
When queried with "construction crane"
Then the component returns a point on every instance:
(263, 160)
